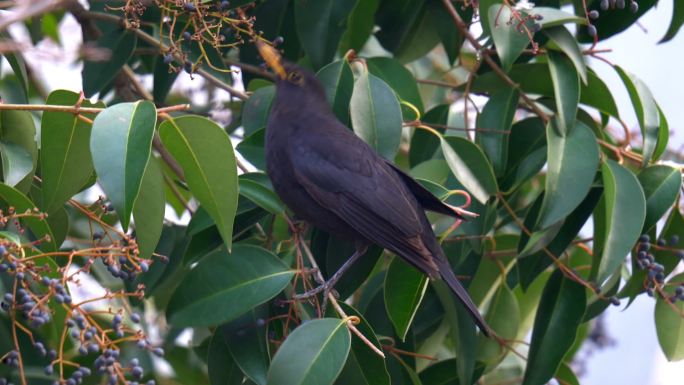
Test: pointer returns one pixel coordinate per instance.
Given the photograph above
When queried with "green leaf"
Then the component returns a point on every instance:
(509, 33)
(425, 144)
(313, 354)
(572, 162)
(646, 110)
(452, 39)
(148, 210)
(441, 373)
(624, 218)
(661, 187)
(669, 322)
(552, 17)
(65, 160)
(368, 367)
(375, 114)
(205, 152)
(406, 28)
(566, 89)
(565, 375)
(360, 25)
(16, 62)
(663, 135)
(233, 282)
(404, 290)
(261, 195)
(120, 44)
(560, 312)
(320, 25)
(39, 227)
(121, 144)
(255, 109)
(17, 163)
(252, 149)
(248, 343)
(221, 366)
(470, 166)
(526, 152)
(535, 78)
(676, 23)
(399, 78)
(338, 82)
(503, 317)
(565, 41)
(17, 127)
(496, 120)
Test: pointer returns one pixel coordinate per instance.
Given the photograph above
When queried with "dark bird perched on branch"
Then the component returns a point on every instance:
(331, 178)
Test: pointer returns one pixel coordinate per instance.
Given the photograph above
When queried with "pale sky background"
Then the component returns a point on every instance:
(636, 357)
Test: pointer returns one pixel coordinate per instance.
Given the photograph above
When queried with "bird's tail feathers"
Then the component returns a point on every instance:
(458, 289)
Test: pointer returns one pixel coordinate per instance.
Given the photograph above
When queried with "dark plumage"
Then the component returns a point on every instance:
(332, 179)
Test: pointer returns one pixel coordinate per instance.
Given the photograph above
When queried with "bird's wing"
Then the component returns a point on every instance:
(347, 178)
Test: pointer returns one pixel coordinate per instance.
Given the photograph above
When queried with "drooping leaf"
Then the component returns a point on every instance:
(16, 62)
(526, 152)
(503, 317)
(565, 41)
(646, 110)
(661, 185)
(220, 365)
(252, 149)
(566, 90)
(65, 160)
(553, 17)
(676, 23)
(663, 135)
(233, 282)
(320, 25)
(509, 34)
(495, 123)
(118, 43)
(148, 210)
(261, 195)
(255, 109)
(406, 28)
(375, 114)
(39, 226)
(248, 343)
(399, 78)
(17, 127)
(452, 39)
(360, 25)
(625, 213)
(560, 312)
(470, 166)
(669, 322)
(572, 162)
(17, 163)
(566, 376)
(404, 290)
(338, 82)
(205, 153)
(313, 354)
(121, 144)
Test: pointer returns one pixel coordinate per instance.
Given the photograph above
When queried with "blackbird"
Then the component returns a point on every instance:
(332, 179)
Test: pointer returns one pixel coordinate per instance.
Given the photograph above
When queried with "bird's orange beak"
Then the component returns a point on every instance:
(272, 58)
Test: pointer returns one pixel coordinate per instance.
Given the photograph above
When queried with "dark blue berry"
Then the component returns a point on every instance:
(189, 7)
(135, 317)
(159, 352)
(633, 7)
(594, 14)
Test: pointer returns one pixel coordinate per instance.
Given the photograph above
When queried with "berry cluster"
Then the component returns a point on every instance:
(656, 271)
(606, 5)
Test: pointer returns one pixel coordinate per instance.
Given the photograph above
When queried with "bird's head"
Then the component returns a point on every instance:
(292, 81)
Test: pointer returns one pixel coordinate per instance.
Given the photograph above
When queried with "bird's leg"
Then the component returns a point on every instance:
(328, 286)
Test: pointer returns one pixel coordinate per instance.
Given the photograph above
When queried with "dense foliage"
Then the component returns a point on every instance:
(512, 124)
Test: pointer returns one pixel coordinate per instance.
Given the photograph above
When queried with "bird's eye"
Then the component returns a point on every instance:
(296, 78)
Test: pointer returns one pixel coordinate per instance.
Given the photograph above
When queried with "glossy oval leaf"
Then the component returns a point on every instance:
(470, 166)
(121, 144)
(572, 163)
(670, 323)
(248, 343)
(313, 354)
(404, 290)
(221, 367)
(252, 149)
(17, 163)
(376, 115)
(39, 227)
(255, 109)
(676, 23)
(503, 317)
(495, 123)
(119, 44)
(399, 78)
(149, 208)
(661, 185)
(205, 153)
(509, 34)
(320, 25)
(18, 128)
(559, 315)
(566, 90)
(232, 282)
(360, 25)
(65, 160)
(338, 83)
(625, 213)
(425, 144)
(562, 39)
(646, 110)
(261, 195)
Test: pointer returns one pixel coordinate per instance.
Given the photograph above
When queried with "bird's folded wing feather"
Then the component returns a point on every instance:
(368, 195)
